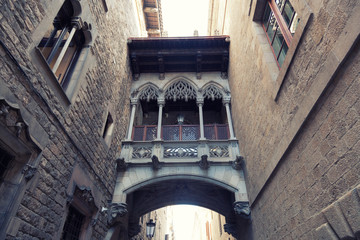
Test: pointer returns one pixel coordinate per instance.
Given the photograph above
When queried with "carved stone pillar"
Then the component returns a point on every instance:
(134, 102)
(200, 103)
(226, 102)
(161, 103)
(75, 22)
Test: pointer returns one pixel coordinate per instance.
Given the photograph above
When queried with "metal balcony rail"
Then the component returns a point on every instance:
(181, 132)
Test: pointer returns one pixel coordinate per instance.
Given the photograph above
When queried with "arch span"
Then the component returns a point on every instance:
(142, 175)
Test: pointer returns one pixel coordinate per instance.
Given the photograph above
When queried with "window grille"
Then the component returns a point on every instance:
(73, 224)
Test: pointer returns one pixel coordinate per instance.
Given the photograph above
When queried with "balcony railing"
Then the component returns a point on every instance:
(181, 132)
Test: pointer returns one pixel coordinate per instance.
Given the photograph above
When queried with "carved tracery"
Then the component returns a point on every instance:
(180, 90)
(149, 93)
(212, 92)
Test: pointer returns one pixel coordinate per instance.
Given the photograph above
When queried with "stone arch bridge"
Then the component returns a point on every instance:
(145, 186)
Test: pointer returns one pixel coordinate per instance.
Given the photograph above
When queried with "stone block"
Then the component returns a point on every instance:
(350, 205)
(336, 219)
(324, 232)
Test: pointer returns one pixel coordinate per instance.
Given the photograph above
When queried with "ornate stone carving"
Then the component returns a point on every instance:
(212, 92)
(226, 100)
(19, 127)
(121, 165)
(219, 151)
(199, 101)
(4, 109)
(161, 101)
(149, 93)
(155, 162)
(230, 228)
(181, 152)
(238, 162)
(142, 152)
(134, 101)
(116, 212)
(180, 90)
(84, 194)
(204, 164)
(242, 209)
(28, 171)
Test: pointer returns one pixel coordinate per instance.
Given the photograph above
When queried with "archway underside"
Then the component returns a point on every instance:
(179, 191)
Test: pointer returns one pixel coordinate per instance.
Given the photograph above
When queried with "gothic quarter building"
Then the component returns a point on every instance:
(104, 119)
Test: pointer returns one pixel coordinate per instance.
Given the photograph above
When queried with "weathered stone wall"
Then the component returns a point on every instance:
(301, 144)
(74, 131)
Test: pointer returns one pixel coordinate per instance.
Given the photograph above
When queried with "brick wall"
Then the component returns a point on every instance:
(302, 149)
(74, 133)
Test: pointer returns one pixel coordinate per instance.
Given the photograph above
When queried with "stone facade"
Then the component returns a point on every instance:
(298, 125)
(67, 131)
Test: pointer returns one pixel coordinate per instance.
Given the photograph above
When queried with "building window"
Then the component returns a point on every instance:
(108, 126)
(5, 160)
(108, 129)
(73, 225)
(280, 21)
(61, 46)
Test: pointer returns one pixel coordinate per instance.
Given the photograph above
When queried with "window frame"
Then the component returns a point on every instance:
(282, 26)
(78, 79)
(275, 74)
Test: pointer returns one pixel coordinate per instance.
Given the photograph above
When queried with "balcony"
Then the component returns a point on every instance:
(180, 142)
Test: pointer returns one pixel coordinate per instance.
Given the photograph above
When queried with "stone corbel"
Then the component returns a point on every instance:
(19, 127)
(116, 212)
(28, 171)
(230, 228)
(238, 162)
(155, 162)
(204, 163)
(161, 67)
(242, 209)
(4, 109)
(121, 165)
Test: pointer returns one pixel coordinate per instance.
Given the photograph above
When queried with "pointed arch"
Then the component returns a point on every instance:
(212, 91)
(180, 88)
(148, 91)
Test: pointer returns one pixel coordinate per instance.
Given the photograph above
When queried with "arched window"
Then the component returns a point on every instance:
(61, 46)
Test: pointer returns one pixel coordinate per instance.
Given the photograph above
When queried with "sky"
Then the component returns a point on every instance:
(183, 220)
(182, 17)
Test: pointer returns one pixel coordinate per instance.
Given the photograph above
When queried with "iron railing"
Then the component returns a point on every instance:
(181, 132)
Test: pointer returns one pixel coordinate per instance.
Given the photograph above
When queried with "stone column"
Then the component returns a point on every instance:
(226, 102)
(200, 103)
(75, 26)
(161, 103)
(134, 102)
